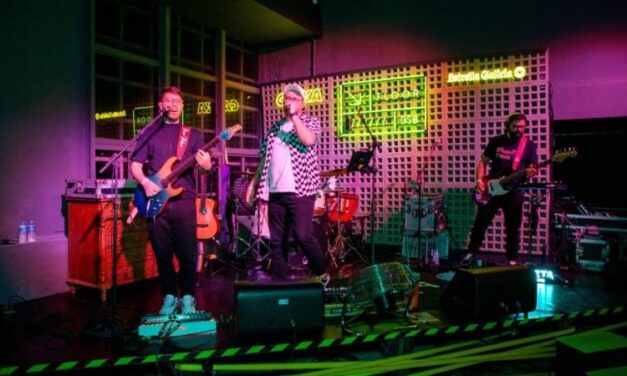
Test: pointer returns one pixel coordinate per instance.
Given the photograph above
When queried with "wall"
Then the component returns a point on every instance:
(44, 110)
(587, 42)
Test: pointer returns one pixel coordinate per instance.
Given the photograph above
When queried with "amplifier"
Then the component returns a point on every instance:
(98, 188)
(279, 308)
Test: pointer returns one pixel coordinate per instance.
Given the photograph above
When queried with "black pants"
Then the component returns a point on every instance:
(512, 204)
(290, 214)
(173, 232)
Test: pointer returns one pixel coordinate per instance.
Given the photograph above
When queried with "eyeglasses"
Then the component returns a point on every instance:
(293, 99)
(176, 101)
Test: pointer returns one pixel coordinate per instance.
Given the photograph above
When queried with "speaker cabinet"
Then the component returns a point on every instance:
(490, 293)
(279, 308)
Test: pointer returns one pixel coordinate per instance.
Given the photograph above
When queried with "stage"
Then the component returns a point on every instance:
(69, 333)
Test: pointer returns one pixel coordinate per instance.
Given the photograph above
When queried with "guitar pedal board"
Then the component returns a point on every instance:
(175, 325)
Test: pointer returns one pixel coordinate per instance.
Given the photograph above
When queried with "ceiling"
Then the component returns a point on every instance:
(262, 23)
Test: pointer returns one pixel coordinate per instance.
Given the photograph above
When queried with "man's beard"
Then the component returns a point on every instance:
(515, 135)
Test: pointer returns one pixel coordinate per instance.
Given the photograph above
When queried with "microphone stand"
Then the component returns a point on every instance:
(110, 328)
(374, 146)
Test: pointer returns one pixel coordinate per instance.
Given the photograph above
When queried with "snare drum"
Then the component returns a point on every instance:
(349, 202)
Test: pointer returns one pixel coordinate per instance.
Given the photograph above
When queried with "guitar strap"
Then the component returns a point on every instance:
(519, 152)
(182, 142)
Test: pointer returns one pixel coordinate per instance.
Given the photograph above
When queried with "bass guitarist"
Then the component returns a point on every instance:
(506, 154)
(173, 230)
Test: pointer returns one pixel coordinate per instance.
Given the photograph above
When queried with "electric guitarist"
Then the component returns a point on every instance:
(505, 154)
(173, 231)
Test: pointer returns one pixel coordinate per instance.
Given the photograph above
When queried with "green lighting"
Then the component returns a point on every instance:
(488, 75)
(312, 96)
(390, 106)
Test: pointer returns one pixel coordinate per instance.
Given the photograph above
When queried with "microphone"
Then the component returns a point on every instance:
(347, 124)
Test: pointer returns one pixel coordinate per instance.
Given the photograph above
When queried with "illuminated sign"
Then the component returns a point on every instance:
(141, 117)
(110, 115)
(204, 108)
(388, 106)
(487, 75)
(312, 96)
(230, 105)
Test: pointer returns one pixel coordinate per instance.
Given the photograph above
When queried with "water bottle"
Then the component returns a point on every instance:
(31, 236)
(21, 233)
(436, 258)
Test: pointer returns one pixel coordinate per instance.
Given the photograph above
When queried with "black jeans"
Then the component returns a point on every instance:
(173, 232)
(288, 214)
(512, 205)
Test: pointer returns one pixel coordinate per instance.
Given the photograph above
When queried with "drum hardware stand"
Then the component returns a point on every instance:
(534, 204)
(254, 246)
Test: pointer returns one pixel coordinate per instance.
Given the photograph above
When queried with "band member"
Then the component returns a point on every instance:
(288, 178)
(173, 230)
(504, 157)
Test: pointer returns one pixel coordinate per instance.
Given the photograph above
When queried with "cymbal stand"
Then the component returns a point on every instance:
(375, 146)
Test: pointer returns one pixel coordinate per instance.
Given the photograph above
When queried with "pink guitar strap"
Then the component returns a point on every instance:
(519, 152)
(183, 140)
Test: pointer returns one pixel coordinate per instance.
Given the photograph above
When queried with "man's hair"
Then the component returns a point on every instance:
(514, 117)
(171, 90)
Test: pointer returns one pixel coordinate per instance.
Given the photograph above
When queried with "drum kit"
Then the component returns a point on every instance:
(333, 219)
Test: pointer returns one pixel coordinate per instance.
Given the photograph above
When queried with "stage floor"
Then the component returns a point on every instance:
(64, 327)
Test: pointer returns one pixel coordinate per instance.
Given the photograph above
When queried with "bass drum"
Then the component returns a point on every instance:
(296, 258)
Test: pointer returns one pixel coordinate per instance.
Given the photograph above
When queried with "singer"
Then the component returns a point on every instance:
(288, 178)
(173, 231)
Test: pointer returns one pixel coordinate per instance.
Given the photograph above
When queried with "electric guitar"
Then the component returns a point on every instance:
(500, 186)
(149, 207)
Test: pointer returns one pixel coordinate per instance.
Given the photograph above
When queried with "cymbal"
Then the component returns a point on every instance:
(331, 173)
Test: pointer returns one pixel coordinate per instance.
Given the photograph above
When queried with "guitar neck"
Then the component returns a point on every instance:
(187, 163)
(517, 175)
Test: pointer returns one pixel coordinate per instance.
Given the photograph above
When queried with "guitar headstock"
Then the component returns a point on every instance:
(228, 133)
(564, 154)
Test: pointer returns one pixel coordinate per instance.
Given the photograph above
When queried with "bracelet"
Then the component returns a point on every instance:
(144, 180)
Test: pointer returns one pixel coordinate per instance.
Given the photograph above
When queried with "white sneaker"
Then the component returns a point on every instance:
(170, 305)
(188, 304)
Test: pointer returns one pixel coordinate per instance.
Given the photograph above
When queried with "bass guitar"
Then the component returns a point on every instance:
(500, 186)
(149, 207)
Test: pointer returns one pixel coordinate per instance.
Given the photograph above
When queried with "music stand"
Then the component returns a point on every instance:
(359, 161)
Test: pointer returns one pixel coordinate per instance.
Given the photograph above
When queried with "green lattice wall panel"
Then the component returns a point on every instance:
(461, 115)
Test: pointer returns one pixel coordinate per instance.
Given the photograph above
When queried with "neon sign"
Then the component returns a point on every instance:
(487, 75)
(110, 115)
(388, 106)
(312, 96)
(230, 105)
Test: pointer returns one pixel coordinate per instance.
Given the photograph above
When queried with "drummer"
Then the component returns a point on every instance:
(288, 178)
